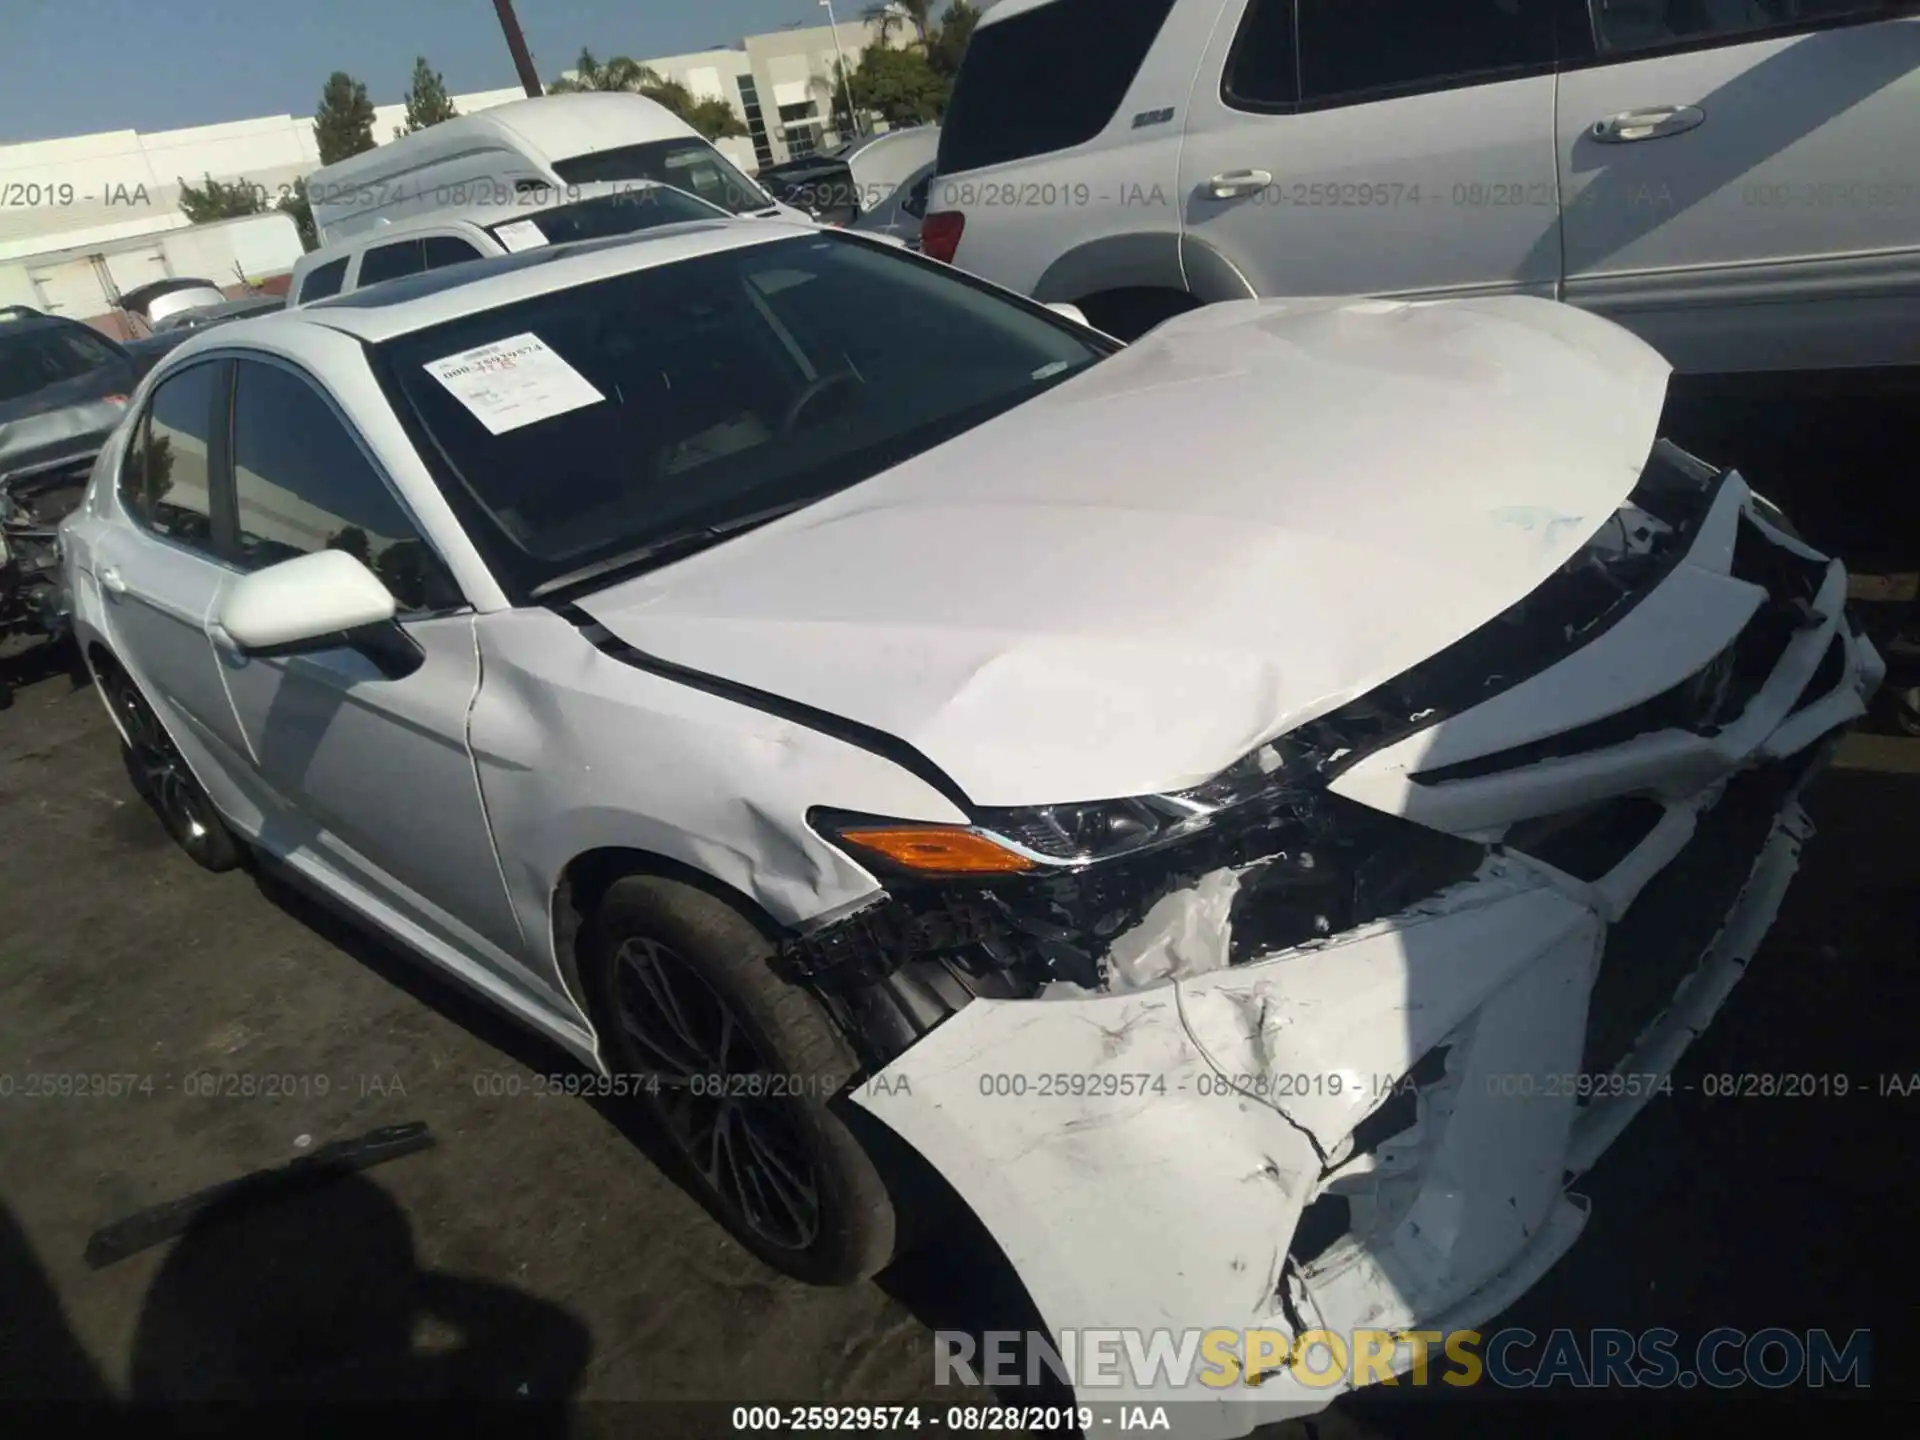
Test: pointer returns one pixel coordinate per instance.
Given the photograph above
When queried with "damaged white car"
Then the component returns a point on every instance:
(1258, 810)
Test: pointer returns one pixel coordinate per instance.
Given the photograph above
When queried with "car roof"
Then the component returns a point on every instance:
(556, 125)
(481, 216)
(418, 302)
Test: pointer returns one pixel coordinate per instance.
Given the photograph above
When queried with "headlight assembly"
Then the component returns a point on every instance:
(1053, 837)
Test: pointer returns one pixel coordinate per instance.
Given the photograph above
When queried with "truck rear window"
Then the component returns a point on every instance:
(1045, 79)
(691, 165)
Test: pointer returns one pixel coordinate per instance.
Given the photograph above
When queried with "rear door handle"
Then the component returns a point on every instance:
(1229, 183)
(1648, 124)
(111, 582)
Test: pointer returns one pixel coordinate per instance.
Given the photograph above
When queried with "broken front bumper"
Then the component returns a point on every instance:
(1378, 1130)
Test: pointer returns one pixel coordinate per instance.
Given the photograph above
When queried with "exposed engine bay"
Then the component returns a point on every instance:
(32, 505)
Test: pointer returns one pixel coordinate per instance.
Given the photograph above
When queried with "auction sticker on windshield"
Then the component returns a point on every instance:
(513, 382)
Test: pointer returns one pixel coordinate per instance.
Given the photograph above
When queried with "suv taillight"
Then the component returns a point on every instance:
(940, 234)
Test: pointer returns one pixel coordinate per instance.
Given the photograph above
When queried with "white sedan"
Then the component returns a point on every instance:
(1257, 810)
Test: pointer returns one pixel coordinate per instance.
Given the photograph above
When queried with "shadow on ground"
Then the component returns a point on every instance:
(307, 1296)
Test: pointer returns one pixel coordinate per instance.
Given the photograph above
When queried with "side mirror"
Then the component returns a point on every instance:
(322, 601)
(1072, 312)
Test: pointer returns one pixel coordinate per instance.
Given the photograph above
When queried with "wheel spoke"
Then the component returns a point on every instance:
(645, 967)
(683, 1067)
(745, 1150)
(793, 1195)
(682, 1115)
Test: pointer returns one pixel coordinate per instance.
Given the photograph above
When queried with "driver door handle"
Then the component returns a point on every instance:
(1229, 183)
(111, 582)
(1648, 124)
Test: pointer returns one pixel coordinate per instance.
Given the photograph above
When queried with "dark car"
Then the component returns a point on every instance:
(63, 389)
(177, 329)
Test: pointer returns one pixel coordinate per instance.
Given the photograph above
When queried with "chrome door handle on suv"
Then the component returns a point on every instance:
(1229, 183)
(1648, 124)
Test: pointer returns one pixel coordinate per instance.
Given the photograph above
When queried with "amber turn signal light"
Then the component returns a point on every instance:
(938, 849)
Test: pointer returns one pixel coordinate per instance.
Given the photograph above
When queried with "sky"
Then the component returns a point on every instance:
(78, 66)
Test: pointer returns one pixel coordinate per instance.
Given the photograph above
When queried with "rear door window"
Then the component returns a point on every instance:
(390, 262)
(438, 250)
(324, 280)
(1045, 79)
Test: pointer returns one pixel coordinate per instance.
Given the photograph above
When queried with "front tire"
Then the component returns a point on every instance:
(164, 780)
(681, 992)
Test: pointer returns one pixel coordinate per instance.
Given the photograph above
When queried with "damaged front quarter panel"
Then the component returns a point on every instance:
(1145, 1156)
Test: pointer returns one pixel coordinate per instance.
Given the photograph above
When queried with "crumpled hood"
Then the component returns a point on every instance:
(71, 418)
(1258, 512)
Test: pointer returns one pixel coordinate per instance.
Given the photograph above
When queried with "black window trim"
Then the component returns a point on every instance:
(227, 490)
(1576, 31)
(1873, 12)
(138, 434)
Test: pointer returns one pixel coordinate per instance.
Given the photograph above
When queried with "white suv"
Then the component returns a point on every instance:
(1735, 180)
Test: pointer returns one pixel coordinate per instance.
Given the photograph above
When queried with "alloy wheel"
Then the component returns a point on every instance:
(159, 771)
(720, 1099)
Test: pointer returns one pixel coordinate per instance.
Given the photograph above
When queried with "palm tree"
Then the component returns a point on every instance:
(619, 73)
(713, 118)
(890, 15)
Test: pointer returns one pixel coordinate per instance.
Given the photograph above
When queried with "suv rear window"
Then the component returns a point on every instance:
(1046, 79)
(626, 213)
(690, 165)
(324, 280)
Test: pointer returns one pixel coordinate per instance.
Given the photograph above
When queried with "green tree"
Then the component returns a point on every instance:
(296, 204)
(212, 200)
(947, 44)
(892, 16)
(427, 100)
(712, 117)
(900, 85)
(619, 73)
(343, 125)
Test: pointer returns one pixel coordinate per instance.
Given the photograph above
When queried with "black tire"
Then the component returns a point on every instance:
(164, 779)
(1129, 314)
(813, 1204)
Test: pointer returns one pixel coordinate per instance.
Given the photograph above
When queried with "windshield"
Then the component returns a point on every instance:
(602, 217)
(584, 425)
(689, 164)
(31, 360)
